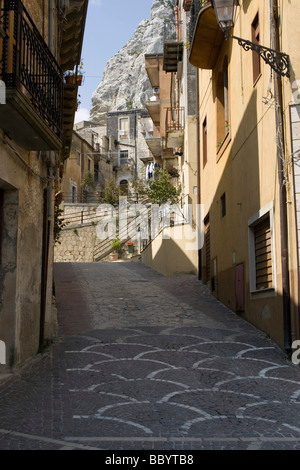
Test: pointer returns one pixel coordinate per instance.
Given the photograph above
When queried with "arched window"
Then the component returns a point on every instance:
(124, 187)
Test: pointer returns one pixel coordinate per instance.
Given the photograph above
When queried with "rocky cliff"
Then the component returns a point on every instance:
(125, 83)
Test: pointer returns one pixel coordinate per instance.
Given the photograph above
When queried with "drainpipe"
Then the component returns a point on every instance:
(44, 271)
(176, 22)
(282, 184)
(50, 38)
(198, 169)
(135, 146)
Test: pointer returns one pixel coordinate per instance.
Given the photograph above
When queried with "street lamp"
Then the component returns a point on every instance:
(277, 60)
(224, 10)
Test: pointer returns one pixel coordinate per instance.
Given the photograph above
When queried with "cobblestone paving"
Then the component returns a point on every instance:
(145, 361)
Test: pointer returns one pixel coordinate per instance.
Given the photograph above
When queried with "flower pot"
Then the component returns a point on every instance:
(114, 256)
(79, 80)
(70, 80)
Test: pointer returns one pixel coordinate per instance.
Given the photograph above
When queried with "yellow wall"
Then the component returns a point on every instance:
(170, 256)
(289, 12)
(245, 167)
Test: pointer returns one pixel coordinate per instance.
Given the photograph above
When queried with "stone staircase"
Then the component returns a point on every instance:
(129, 232)
(79, 239)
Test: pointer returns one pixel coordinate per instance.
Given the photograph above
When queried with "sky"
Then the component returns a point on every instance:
(110, 24)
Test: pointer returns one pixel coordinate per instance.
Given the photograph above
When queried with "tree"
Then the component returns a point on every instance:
(111, 194)
(161, 190)
(139, 187)
(87, 184)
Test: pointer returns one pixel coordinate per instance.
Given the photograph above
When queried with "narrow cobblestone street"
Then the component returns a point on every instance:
(147, 362)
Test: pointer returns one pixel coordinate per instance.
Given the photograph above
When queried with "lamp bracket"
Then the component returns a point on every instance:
(278, 61)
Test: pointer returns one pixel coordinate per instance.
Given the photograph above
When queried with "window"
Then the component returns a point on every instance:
(262, 264)
(255, 55)
(204, 141)
(74, 193)
(207, 248)
(263, 255)
(123, 128)
(96, 172)
(89, 164)
(222, 98)
(123, 157)
(124, 187)
(223, 205)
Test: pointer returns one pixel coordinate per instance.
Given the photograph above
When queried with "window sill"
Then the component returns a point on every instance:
(269, 292)
(224, 144)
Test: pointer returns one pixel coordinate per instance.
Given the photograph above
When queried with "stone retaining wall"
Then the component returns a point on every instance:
(76, 244)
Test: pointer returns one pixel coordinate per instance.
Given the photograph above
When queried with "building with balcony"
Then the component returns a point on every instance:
(127, 132)
(248, 147)
(89, 154)
(38, 44)
(157, 103)
(173, 142)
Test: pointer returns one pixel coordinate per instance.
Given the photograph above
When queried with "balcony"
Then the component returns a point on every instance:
(69, 109)
(155, 145)
(206, 37)
(74, 19)
(153, 65)
(32, 115)
(122, 161)
(175, 120)
(173, 54)
(153, 105)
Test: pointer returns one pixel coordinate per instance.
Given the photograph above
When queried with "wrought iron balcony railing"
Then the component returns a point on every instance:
(175, 119)
(27, 64)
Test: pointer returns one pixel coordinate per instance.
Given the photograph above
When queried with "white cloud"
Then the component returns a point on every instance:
(82, 114)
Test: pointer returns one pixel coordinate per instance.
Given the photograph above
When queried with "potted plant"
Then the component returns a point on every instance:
(70, 77)
(75, 77)
(116, 246)
(80, 74)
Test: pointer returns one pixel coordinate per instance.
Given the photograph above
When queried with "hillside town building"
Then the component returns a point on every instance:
(39, 44)
(239, 155)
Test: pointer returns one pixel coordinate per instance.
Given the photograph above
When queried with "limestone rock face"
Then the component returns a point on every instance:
(125, 84)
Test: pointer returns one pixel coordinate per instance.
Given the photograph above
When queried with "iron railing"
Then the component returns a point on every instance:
(197, 5)
(27, 64)
(175, 119)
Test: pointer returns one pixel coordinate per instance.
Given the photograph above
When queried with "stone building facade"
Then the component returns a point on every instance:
(35, 120)
(128, 148)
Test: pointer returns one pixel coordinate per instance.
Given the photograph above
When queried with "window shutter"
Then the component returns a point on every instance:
(263, 255)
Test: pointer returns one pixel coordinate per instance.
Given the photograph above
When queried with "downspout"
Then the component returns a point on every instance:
(44, 272)
(50, 32)
(198, 172)
(280, 142)
(135, 146)
(176, 22)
